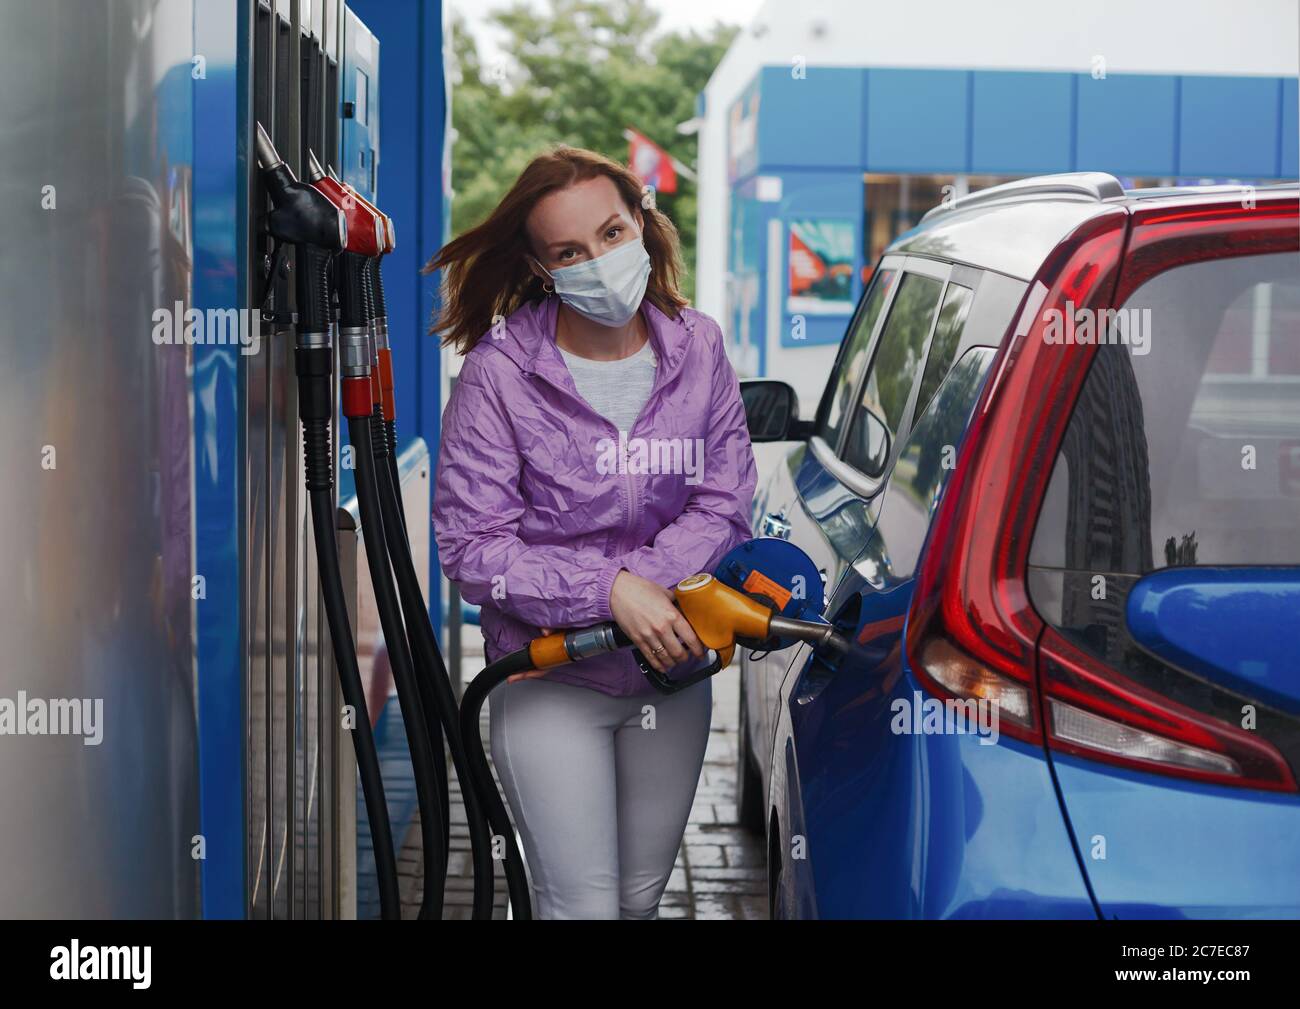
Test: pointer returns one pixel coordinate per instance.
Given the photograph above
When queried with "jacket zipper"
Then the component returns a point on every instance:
(661, 379)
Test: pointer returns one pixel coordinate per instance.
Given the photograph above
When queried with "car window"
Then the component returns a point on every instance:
(852, 360)
(1184, 447)
(878, 415)
(926, 461)
(943, 346)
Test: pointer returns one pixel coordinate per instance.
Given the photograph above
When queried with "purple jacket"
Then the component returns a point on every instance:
(536, 507)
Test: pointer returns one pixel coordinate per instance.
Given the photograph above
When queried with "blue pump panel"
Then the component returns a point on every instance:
(360, 95)
(1179, 614)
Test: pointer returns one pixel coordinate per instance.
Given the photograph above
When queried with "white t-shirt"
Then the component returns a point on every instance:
(617, 390)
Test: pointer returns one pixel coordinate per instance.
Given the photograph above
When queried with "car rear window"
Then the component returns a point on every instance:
(1184, 446)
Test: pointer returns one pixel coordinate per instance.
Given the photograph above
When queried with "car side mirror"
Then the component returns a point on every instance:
(869, 441)
(772, 411)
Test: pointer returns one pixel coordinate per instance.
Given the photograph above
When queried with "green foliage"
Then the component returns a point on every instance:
(578, 73)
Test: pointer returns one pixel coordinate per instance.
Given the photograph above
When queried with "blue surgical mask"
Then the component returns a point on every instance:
(608, 289)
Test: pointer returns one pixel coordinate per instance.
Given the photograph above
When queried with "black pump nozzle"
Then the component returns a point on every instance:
(267, 156)
(306, 219)
(302, 215)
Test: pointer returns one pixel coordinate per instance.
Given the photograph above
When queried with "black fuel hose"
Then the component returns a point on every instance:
(491, 809)
(436, 695)
(437, 699)
(363, 739)
(320, 485)
(408, 692)
(423, 647)
(390, 430)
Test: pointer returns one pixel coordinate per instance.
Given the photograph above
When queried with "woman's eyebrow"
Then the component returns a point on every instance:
(563, 243)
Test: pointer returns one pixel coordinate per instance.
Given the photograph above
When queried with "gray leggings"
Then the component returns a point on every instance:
(600, 789)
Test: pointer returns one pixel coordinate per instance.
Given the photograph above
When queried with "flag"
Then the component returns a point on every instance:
(651, 163)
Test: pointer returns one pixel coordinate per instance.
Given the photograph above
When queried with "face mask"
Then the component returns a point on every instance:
(607, 290)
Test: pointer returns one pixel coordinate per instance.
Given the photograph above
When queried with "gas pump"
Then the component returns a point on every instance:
(309, 222)
(368, 239)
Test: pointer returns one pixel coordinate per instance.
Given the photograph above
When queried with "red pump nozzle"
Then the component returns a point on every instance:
(365, 242)
(366, 231)
(384, 394)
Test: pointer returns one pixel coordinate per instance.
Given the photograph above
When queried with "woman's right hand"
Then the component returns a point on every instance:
(647, 614)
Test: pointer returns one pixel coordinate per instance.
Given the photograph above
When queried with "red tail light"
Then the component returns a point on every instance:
(972, 631)
(1093, 711)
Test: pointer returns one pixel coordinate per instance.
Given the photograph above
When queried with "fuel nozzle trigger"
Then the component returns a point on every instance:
(277, 266)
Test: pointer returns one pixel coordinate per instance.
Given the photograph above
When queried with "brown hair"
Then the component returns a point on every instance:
(486, 269)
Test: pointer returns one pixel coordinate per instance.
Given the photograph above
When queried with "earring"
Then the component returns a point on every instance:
(548, 287)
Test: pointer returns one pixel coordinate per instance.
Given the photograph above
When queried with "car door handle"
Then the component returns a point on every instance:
(774, 525)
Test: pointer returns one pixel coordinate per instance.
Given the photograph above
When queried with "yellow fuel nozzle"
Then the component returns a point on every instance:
(717, 613)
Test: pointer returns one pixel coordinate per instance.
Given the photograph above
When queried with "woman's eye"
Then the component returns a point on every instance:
(567, 254)
(614, 232)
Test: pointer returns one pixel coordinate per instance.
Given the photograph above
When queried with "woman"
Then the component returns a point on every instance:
(594, 453)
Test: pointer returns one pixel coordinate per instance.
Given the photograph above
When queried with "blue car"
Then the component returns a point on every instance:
(1053, 490)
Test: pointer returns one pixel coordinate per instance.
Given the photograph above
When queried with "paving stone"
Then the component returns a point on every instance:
(699, 855)
(721, 887)
(746, 855)
(724, 874)
(714, 908)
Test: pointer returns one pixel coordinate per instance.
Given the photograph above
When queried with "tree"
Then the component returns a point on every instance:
(577, 73)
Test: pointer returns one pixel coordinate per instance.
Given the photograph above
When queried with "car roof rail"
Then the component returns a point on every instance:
(1159, 192)
(1093, 186)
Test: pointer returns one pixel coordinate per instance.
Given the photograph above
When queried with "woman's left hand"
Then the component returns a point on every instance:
(646, 612)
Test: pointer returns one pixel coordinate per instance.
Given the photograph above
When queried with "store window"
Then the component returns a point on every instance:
(895, 203)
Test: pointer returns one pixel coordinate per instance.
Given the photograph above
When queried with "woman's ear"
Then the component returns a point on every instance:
(530, 257)
(535, 267)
